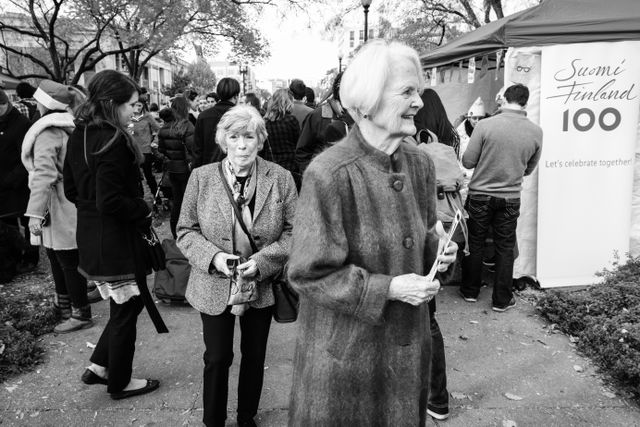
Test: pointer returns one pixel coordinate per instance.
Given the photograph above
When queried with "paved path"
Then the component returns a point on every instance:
(489, 355)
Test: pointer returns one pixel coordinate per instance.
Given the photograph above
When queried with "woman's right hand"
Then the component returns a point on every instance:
(412, 289)
(220, 262)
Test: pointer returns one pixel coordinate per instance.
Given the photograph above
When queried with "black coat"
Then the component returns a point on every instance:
(109, 196)
(14, 188)
(205, 148)
(175, 141)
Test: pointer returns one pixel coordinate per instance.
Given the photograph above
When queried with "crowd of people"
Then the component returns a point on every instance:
(347, 200)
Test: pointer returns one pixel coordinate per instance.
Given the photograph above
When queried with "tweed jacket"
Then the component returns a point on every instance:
(363, 218)
(43, 152)
(280, 146)
(205, 228)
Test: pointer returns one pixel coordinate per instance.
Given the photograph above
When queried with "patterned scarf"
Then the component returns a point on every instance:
(240, 239)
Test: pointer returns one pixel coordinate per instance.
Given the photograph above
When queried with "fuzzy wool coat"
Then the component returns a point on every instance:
(363, 217)
(205, 228)
(14, 190)
(43, 152)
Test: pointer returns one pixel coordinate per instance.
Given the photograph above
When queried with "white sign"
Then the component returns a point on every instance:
(589, 100)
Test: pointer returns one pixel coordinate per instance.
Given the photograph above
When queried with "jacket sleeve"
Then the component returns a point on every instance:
(198, 144)
(189, 143)
(533, 161)
(472, 154)
(318, 267)
(193, 244)
(111, 197)
(153, 125)
(45, 173)
(272, 258)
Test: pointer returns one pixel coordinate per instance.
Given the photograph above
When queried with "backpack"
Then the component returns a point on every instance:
(449, 179)
(170, 284)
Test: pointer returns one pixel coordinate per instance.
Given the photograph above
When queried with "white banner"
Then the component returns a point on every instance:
(589, 100)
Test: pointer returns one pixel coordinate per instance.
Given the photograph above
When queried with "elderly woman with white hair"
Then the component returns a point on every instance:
(232, 270)
(364, 240)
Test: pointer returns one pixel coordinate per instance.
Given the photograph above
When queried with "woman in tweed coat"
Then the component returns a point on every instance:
(364, 239)
(211, 237)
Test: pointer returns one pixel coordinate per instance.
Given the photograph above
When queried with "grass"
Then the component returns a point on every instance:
(605, 319)
(26, 313)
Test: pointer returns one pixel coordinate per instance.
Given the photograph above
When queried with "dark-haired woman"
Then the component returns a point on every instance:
(102, 178)
(175, 141)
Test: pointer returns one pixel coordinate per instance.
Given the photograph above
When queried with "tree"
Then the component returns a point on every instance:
(201, 76)
(48, 40)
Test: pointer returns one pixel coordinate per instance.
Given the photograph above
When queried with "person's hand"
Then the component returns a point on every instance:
(220, 262)
(412, 289)
(248, 269)
(35, 226)
(449, 254)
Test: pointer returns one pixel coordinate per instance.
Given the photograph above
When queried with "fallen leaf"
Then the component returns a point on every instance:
(474, 322)
(459, 396)
(542, 342)
(578, 368)
(624, 331)
(608, 394)
(463, 337)
(90, 345)
(573, 339)
(11, 388)
(509, 423)
(35, 414)
(512, 396)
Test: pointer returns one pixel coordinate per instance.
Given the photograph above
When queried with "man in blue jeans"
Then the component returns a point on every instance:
(502, 149)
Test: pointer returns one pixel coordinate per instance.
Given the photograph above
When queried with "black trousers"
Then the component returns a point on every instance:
(117, 344)
(64, 268)
(178, 186)
(147, 171)
(218, 356)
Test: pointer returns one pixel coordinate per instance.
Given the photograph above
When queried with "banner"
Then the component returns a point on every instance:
(589, 101)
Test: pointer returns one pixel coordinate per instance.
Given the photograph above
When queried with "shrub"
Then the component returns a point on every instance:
(606, 320)
(24, 316)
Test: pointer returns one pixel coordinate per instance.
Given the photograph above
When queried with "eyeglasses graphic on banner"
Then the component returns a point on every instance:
(521, 69)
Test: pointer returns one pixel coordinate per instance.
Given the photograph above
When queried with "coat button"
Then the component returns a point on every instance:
(407, 243)
(398, 185)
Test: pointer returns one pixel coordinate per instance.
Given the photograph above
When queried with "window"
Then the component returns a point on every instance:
(352, 35)
(361, 36)
(371, 34)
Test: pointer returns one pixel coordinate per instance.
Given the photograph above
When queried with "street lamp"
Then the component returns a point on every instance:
(366, 4)
(340, 55)
(243, 71)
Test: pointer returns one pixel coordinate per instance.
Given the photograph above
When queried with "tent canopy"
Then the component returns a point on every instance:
(551, 22)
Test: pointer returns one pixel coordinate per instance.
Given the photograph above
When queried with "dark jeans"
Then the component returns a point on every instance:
(64, 268)
(147, 170)
(438, 394)
(218, 356)
(117, 344)
(502, 215)
(178, 186)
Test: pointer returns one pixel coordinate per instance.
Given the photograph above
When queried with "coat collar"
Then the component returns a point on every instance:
(264, 182)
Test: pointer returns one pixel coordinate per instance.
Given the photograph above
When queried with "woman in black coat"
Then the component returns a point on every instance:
(102, 178)
(175, 141)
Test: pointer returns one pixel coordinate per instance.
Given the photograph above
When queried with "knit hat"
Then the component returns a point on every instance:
(477, 109)
(4, 99)
(54, 96)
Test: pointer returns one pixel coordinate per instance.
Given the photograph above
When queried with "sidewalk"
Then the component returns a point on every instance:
(504, 369)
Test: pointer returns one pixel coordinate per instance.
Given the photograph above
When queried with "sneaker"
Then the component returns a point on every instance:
(438, 413)
(94, 296)
(511, 304)
(468, 299)
(72, 325)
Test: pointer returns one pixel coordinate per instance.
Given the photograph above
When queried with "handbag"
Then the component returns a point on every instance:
(153, 252)
(287, 300)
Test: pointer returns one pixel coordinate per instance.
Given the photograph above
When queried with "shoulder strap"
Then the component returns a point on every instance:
(234, 205)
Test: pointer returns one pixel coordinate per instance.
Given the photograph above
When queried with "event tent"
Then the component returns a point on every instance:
(595, 208)
(551, 22)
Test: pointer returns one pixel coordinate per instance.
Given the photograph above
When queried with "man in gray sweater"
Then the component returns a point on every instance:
(502, 149)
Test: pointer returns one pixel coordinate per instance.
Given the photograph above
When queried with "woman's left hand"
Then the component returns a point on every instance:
(248, 269)
(35, 226)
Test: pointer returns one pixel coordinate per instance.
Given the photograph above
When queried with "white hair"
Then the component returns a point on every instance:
(239, 119)
(365, 78)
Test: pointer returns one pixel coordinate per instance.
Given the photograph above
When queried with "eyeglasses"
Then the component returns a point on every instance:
(520, 68)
